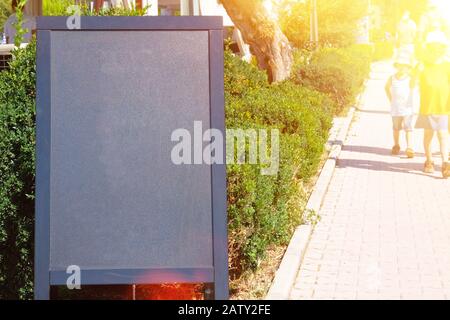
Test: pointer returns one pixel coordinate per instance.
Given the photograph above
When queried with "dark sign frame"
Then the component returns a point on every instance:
(44, 277)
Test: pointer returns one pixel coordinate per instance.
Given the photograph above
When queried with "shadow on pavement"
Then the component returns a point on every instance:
(377, 151)
(406, 167)
(411, 167)
(373, 111)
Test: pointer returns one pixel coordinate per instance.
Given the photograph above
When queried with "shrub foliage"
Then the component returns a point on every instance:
(264, 210)
(17, 144)
(338, 72)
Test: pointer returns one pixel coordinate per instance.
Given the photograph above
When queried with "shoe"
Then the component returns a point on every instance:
(395, 150)
(410, 153)
(446, 170)
(429, 167)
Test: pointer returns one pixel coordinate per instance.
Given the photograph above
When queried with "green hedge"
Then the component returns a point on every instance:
(56, 7)
(338, 72)
(17, 141)
(264, 210)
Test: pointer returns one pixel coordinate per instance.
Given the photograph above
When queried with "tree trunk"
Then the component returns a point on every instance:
(262, 32)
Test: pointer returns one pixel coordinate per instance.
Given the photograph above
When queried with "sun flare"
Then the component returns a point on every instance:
(444, 8)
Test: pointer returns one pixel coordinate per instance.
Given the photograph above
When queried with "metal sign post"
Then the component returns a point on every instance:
(109, 200)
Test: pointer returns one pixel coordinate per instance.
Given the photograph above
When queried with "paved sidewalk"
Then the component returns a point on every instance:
(385, 225)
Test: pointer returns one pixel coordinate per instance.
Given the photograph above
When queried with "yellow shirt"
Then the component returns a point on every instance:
(435, 89)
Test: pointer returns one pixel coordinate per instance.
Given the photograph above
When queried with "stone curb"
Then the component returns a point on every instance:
(290, 264)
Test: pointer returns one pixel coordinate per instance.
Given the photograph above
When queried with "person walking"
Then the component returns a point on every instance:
(406, 34)
(434, 78)
(400, 91)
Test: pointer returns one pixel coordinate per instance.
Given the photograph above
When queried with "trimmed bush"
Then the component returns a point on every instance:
(264, 210)
(338, 72)
(17, 144)
(240, 77)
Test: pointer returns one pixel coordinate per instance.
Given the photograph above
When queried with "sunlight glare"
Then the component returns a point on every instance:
(444, 8)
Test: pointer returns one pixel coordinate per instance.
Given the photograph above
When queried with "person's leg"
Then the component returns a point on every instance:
(408, 139)
(409, 147)
(396, 137)
(408, 125)
(397, 125)
(427, 139)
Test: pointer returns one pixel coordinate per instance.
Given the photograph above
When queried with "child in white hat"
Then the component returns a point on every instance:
(400, 91)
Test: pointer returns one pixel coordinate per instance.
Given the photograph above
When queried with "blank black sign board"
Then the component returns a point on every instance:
(109, 198)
